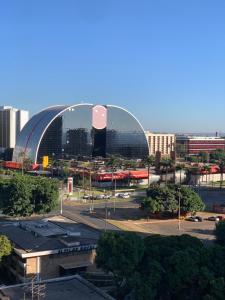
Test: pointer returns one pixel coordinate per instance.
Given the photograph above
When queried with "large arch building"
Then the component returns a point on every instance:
(70, 131)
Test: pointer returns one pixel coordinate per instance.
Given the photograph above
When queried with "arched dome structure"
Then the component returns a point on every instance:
(71, 131)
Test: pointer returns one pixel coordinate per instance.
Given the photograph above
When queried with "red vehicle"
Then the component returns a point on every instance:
(220, 217)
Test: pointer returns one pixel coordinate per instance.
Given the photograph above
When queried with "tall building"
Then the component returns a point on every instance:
(162, 142)
(12, 121)
(192, 145)
(71, 131)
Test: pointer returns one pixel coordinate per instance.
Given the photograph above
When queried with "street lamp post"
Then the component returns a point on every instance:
(106, 213)
(114, 199)
(178, 208)
(61, 205)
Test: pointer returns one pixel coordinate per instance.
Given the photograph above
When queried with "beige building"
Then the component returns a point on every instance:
(49, 248)
(163, 142)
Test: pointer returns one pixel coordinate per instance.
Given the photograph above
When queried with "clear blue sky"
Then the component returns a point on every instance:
(164, 60)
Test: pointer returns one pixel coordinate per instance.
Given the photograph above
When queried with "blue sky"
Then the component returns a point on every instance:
(164, 60)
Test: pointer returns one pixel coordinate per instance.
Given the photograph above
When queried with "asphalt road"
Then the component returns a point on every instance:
(81, 213)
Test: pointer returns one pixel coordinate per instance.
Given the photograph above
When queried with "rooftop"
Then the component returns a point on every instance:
(52, 234)
(70, 287)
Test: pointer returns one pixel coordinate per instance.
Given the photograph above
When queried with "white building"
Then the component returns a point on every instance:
(12, 121)
(163, 142)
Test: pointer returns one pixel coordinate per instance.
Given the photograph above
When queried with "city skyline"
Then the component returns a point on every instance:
(162, 61)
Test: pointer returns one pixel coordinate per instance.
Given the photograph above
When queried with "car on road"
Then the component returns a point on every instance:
(192, 219)
(100, 196)
(220, 217)
(213, 218)
(124, 195)
(86, 197)
(200, 219)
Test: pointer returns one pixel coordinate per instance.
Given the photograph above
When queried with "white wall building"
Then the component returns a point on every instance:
(163, 142)
(12, 121)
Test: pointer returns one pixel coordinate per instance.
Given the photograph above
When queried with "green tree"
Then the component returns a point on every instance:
(45, 194)
(119, 254)
(166, 199)
(220, 232)
(150, 162)
(166, 164)
(190, 200)
(17, 202)
(23, 195)
(207, 170)
(5, 246)
(204, 156)
(159, 274)
(221, 168)
(152, 205)
(217, 155)
(62, 167)
(180, 167)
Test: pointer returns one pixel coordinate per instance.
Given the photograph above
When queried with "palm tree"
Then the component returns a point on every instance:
(180, 167)
(207, 169)
(166, 163)
(221, 167)
(150, 161)
(25, 162)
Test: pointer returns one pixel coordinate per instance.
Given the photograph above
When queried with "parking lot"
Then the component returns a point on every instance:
(202, 230)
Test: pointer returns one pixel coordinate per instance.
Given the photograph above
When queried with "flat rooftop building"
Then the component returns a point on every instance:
(49, 248)
(66, 288)
(192, 145)
(160, 142)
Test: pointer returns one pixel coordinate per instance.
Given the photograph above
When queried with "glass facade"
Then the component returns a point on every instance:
(70, 133)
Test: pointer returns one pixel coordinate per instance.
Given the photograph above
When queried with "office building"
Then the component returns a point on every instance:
(72, 131)
(49, 248)
(12, 121)
(192, 145)
(160, 142)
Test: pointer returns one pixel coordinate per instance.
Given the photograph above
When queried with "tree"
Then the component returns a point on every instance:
(119, 254)
(221, 167)
(152, 205)
(165, 270)
(166, 163)
(207, 170)
(204, 156)
(24, 195)
(180, 167)
(18, 202)
(217, 155)
(62, 167)
(161, 199)
(189, 200)
(45, 194)
(25, 161)
(150, 161)
(5, 246)
(220, 232)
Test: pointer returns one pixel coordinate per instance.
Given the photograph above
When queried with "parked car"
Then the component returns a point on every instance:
(213, 218)
(192, 219)
(124, 195)
(100, 196)
(86, 197)
(220, 217)
(200, 219)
